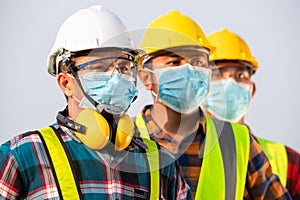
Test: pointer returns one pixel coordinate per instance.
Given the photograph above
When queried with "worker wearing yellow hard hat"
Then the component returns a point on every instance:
(176, 70)
(93, 150)
(232, 90)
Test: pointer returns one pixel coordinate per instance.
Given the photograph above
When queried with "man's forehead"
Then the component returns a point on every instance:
(231, 63)
(183, 54)
(105, 54)
(96, 55)
(232, 68)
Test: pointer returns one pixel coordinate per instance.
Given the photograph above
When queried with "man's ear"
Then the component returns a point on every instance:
(253, 88)
(145, 77)
(66, 83)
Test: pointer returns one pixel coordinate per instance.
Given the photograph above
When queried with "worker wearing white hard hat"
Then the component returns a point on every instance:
(93, 151)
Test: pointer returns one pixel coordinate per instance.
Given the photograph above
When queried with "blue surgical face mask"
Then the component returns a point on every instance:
(108, 89)
(182, 88)
(228, 100)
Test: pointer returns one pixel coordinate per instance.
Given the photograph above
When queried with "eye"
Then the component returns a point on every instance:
(97, 66)
(242, 76)
(124, 67)
(100, 67)
(173, 63)
(199, 61)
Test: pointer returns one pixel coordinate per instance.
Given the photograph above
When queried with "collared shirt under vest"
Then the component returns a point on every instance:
(77, 172)
(219, 159)
(218, 171)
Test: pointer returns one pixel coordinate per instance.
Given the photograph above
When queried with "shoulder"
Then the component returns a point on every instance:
(19, 150)
(24, 146)
(293, 157)
(292, 152)
(21, 141)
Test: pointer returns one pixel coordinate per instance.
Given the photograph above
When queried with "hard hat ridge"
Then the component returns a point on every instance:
(230, 46)
(173, 30)
(91, 28)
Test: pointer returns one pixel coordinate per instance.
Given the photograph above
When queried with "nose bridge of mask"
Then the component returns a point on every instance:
(173, 74)
(229, 83)
(98, 130)
(109, 88)
(230, 80)
(182, 88)
(94, 79)
(228, 99)
(244, 86)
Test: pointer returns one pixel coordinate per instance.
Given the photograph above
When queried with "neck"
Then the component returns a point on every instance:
(73, 107)
(171, 121)
(241, 121)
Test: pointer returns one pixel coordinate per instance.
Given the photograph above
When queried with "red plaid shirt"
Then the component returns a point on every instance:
(293, 173)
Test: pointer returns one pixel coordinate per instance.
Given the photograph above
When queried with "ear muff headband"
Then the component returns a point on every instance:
(98, 132)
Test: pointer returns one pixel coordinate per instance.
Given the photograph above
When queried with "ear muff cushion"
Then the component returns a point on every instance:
(125, 131)
(97, 132)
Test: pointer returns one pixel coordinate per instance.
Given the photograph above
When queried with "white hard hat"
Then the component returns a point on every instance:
(91, 28)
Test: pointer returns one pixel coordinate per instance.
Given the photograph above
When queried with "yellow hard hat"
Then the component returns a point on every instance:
(173, 30)
(230, 46)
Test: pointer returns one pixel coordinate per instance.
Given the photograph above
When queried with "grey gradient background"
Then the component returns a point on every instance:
(30, 97)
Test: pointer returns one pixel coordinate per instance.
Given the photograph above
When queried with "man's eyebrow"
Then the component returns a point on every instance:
(176, 56)
(172, 55)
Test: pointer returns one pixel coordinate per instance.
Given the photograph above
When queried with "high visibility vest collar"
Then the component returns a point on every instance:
(225, 161)
(274, 151)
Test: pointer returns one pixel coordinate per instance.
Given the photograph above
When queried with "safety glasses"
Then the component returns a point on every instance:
(124, 66)
(239, 73)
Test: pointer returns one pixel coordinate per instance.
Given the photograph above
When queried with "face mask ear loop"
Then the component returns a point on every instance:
(149, 70)
(108, 117)
(104, 113)
(153, 72)
(74, 73)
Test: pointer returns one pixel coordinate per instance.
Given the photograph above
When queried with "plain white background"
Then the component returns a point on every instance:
(30, 97)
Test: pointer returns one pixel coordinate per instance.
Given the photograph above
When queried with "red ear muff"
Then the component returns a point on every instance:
(97, 133)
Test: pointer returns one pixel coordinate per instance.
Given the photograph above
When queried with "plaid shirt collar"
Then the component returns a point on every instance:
(153, 127)
(170, 142)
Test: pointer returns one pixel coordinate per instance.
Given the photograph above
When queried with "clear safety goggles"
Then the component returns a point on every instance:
(195, 55)
(238, 73)
(124, 66)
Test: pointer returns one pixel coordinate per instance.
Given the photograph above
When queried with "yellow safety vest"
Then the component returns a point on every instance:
(277, 156)
(67, 185)
(225, 162)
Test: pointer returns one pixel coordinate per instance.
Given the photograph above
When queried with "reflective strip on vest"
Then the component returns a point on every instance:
(63, 171)
(242, 145)
(225, 162)
(277, 156)
(231, 153)
(153, 157)
(142, 126)
(153, 161)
